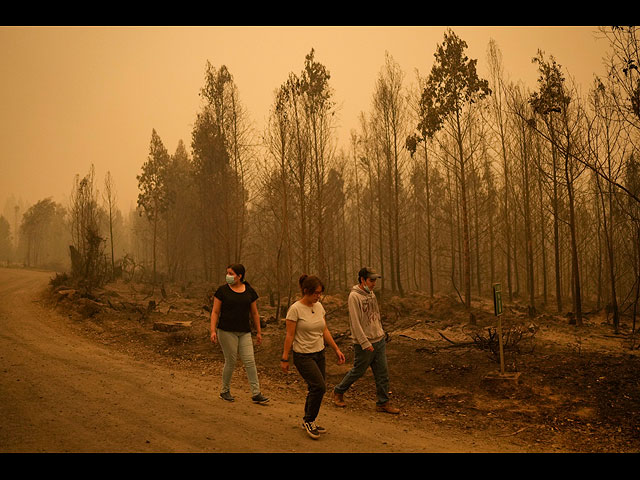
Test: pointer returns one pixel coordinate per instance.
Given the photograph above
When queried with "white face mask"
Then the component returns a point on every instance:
(230, 279)
(366, 288)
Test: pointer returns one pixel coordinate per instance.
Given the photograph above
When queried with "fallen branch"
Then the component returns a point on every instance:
(456, 289)
(457, 344)
(514, 433)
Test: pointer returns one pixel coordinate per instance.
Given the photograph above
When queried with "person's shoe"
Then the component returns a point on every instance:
(338, 400)
(388, 408)
(319, 428)
(227, 396)
(260, 399)
(311, 430)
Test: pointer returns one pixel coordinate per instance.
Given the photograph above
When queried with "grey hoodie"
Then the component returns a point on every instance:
(364, 317)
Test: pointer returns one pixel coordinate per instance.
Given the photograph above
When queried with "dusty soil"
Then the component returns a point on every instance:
(151, 388)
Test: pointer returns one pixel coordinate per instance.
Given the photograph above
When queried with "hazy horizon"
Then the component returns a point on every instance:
(77, 96)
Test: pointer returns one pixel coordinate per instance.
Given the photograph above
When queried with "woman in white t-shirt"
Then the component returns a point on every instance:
(307, 334)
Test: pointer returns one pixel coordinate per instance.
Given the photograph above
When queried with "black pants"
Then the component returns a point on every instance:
(312, 369)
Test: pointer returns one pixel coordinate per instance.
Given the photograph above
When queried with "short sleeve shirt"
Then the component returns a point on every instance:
(310, 325)
(235, 309)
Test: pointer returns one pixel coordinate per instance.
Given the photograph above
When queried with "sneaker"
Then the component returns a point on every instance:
(311, 429)
(319, 428)
(338, 400)
(227, 396)
(260, 399)
(388, 408)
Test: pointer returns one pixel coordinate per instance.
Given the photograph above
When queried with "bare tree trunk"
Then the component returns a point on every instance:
(577, 296)
(465, 218)
(609, 243)
(492, 246)
(495, 65)
(527, 221)
(357, 195)
(458, 237)
(380, 231)
(110, 197)
(556, 225)
(516, 257)
(637, 262)
(543, 247)
(396, 209)
(451, 231)
(155, 230)
(318, 170)
(612, 273)
(301, 171)
(428, 219)
(608, 236)
(505, 215)
(476, 218)
(599, 222)
(390, 231)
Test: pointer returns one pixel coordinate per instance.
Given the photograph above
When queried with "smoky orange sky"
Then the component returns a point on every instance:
(75, 96)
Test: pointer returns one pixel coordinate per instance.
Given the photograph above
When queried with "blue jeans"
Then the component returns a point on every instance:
(364, 359)
(236, 344)
(311, 367)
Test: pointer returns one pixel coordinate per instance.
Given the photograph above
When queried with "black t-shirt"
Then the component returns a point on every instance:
(235, 311)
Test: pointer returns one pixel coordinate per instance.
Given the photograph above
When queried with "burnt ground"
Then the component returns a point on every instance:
(565, 388)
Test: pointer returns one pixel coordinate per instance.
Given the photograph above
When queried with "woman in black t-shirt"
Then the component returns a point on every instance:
(234, 306)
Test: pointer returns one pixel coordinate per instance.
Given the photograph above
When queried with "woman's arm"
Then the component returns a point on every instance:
(288, 342)
(332, 343)
(215, 316)
(256, 321)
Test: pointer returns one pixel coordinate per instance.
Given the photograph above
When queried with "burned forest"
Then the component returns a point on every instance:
(452, 184)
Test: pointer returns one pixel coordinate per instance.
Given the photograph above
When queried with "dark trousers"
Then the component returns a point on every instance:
(364, 359)
(311, 367)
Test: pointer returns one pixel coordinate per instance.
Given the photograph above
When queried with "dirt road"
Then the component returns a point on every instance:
(61, 392)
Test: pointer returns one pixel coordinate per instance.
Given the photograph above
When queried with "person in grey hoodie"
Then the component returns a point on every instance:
(369, 342)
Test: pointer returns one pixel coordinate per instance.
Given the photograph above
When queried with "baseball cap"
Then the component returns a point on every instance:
(366, 272)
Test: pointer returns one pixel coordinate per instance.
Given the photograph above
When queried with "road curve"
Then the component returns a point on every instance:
(61, 392)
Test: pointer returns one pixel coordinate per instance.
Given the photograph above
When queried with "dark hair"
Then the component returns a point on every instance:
(367, 272)
(239, 269)
(309, 283)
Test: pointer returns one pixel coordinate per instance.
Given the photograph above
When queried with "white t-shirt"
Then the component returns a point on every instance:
(310, 325)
